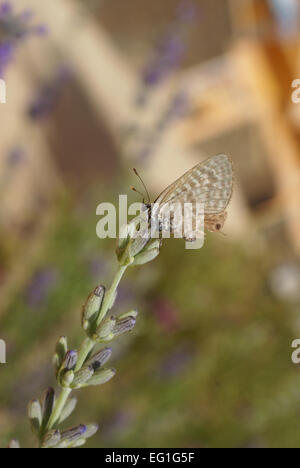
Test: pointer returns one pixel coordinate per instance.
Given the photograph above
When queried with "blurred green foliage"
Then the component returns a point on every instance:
(207, 366)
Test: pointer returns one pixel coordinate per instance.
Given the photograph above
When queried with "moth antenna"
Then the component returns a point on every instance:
(137, 191)
(143, 184)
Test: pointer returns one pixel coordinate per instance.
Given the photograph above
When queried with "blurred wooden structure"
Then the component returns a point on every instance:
(240, 99)
(240, 112)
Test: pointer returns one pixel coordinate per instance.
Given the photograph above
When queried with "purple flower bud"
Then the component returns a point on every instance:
(71, 435)
(70, 360)
(124, 325)
(47, 404)
(99, 358)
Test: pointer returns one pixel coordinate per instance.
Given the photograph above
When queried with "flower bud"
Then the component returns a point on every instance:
(92, 308)
(133, 239)
(67, 378)
(131, 313)
(78, 443)
(140, 240)
(47, 405)
(82, 376)
(146, 256)
(51, 439)
(78, 438)
(99, 359)
(150, 252)
(69, 361)
(60, 352)
(91, 430)
(35, 415)
(124, 325)
(68, 409)
(104, 331)
(71, 435)
(100, 377)
(65, 374)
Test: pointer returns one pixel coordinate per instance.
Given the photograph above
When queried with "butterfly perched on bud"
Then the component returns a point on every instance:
(210, 184)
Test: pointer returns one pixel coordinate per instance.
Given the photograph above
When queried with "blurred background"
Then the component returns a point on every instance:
(94, 88)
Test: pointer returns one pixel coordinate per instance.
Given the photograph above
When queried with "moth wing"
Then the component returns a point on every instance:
(209, 183)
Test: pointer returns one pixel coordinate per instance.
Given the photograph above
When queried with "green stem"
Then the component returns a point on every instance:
(84, 351)
(110, 294)
(86, 347)
(58, 407)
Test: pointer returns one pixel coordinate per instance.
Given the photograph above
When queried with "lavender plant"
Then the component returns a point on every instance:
(176, 109)
(169, 52)
(14, 29)
(166, 58)
(49, 93)
(76, 369)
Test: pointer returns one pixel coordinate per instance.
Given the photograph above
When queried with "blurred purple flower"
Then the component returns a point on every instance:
(117, 424)
(125, 296)
(187, 11)
(177, 362)
(49, 94)
(177, 109)
(6, 55)
(166, 315)
(97, 267)
(41, 285)
(14, 28)
(167, 57)
(16, 156)
(170, 51)
(5, 8)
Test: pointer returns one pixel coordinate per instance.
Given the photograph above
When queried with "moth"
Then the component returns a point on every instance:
(209, 183)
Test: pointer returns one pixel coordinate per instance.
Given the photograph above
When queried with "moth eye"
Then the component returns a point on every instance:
(218, 227)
